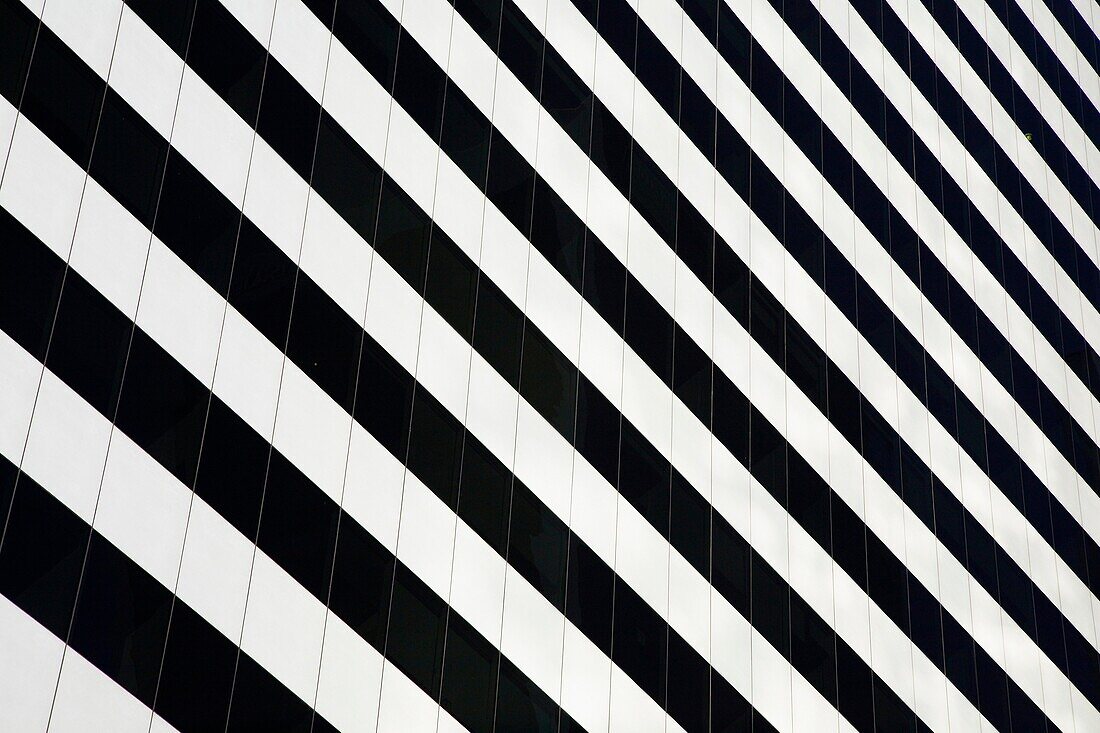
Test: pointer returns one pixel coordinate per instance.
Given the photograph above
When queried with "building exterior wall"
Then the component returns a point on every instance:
(555, 365)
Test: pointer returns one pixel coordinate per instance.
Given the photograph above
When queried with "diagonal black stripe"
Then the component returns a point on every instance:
(120, 621)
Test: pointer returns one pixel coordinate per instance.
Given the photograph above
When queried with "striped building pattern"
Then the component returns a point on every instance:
(549, 365)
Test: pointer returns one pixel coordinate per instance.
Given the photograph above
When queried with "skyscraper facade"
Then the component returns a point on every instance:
(549, 365)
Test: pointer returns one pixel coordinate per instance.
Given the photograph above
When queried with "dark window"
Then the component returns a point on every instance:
(611, 146)
(227, 58)
(369, 32)
(419, 86)
(263, 284)
(403, 232)
(469, 677)
(813, 651)
(692, 376)
(288, 119)
(537, 545)
(42, 555)
(510, 183)
(605, 284)
(30, 285)
(120, 620)
(558, 234)
(89, 344)
(484, 498)
(548, 381)
(688, 677)
(589, 595)
(653, 194)
(197, 223)
(644, 477)
(18, 29)
(361, 578)
(435, 447)
(384, 398)
(414, 641)
(346, 177)
(298, 526)
(452, 279)
(522, 707)
(162, 408)
(649, 330)
(129, 158)
(483, 16)
(63, 97)
(232, 468)
(597, 436)
(689, 524)
(465, 137)
(640, 642)
(260, 702)
(520, 48)
(324, 342)
(771, 606)
(498, 330)
(566, 98)
(197, 676)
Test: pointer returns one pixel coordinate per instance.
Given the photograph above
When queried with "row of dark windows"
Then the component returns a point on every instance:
(1030, 499)
(650, 500)
(979, 234)
(1012, 97)
(402, 236)
(968, 39)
